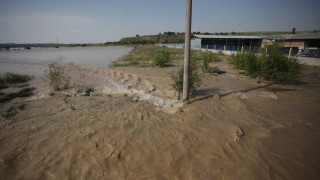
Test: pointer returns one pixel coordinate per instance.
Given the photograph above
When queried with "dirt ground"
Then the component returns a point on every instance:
(132, 127)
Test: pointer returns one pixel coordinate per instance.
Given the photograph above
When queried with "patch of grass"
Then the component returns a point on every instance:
(88, 91)
(279, 89)
(12, 78)
(22, 106)
(225, 58)
(25, 92)
(123, 64)
(214, 69)
(116, 64)
(10, 112)
(149, 55)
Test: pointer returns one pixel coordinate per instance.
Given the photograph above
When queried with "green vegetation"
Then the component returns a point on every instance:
(88, 91)
(25, 92)
(273, 65)
(57, 77)
(161, 58)
(10, 112)
(208, 57)
(12, 78)
(166, 37)
(149, 55)
(194, 79)
(152, 55)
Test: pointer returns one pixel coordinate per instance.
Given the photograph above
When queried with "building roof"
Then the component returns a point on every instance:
(226, 37)
(302, 36)
(285, 36)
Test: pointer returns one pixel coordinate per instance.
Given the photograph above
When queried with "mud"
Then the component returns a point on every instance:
(132, 127)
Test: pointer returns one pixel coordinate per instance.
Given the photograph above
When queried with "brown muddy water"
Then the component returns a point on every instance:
(132, 127)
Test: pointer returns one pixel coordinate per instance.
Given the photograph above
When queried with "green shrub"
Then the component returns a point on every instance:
(272, 65)
(57, 77)
(88, 91)
(194, 79)
(161, 58)
(206, 58)
(275, 65)
(214, 69)
(210, 56)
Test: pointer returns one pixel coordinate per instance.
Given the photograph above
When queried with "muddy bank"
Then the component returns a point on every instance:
(236, 127)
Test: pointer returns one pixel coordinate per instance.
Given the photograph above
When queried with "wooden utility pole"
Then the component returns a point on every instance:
(185, 96)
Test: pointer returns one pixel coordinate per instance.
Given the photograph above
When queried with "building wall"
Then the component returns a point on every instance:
(232, 42)
(266, 42)
(294, 43)
(196, 42)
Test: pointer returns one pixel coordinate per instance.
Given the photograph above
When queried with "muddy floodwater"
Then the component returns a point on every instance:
(133, 127)
(34, 61)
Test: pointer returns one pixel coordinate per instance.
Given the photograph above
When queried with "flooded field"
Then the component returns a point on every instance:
(34, 61)
(133, 127)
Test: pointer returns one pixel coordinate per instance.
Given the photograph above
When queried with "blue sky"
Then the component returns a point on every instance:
(98, 21)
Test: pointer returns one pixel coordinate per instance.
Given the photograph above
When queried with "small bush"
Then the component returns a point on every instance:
(275, 65)
(206, 58)
(161, 58)
(272, 65)
(194, 79)
(57, 77)
(88, 91)
(214, 69)
(210, 56)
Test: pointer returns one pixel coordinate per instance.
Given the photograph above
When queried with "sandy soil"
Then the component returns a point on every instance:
(132, 127)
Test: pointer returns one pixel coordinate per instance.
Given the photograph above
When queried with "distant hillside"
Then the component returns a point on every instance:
(173, 37)
(152, 39)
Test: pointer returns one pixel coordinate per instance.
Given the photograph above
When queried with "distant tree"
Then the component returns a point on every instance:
(315, 31)
(137, 35)
(293, 30)
(159, 37)
(233, 33)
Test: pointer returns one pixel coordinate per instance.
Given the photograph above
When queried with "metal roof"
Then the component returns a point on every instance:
(302, 36)
(226, 37)
(286, 36)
